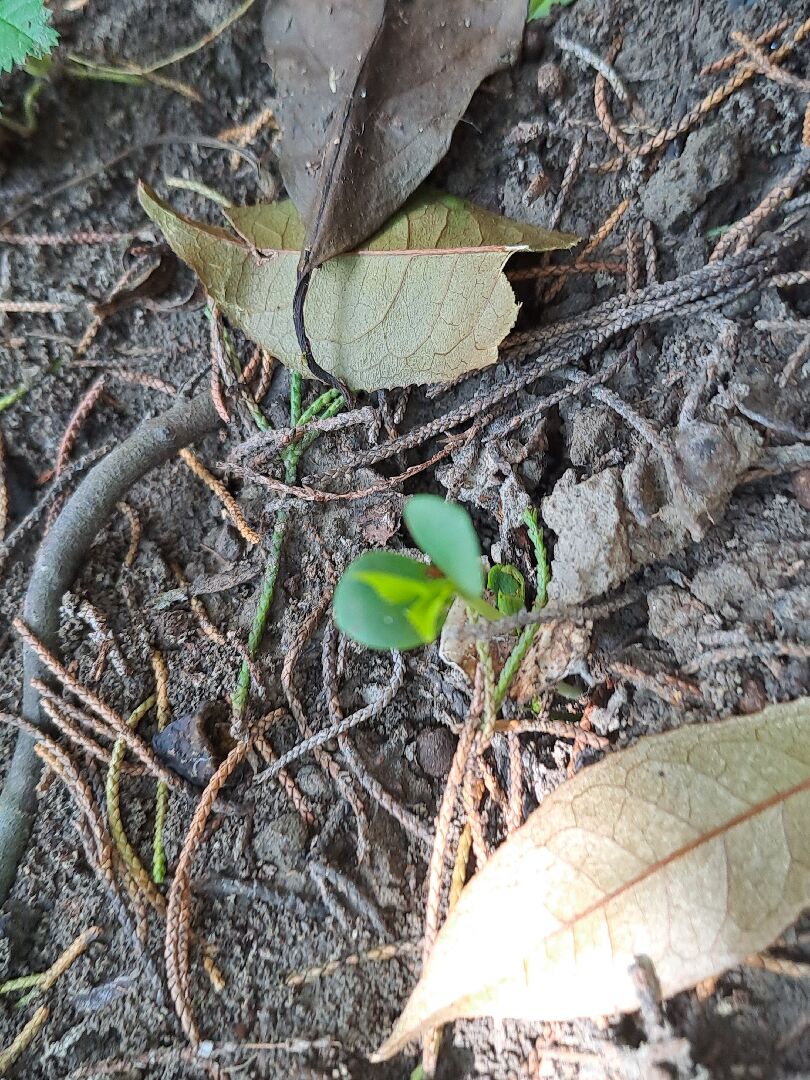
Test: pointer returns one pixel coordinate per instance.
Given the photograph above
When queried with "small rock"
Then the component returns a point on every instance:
(312, 782)
(281, 843)
(592, 553)
(549, 81)
(710, 161)
(801, 487)
(197, 743)
(594, 432)
(533, 41)
(753, 698)
(434, 751)
(708, 457)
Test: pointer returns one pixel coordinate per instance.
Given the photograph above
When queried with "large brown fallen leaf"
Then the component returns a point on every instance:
(369, 92)
(691, 848)
(424, 302)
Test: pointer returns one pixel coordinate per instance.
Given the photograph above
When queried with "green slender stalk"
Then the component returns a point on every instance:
(13, 396)
(491, 703)
(333, 405)
(18, 393)
(26, 127)
(535, 532)
(23, 982)
(159, 861)
(516, 656)
(330, 403)
(295, 398)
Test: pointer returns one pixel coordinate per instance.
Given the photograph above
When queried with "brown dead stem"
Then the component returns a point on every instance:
(324, 760)
(379, 954)
(409, 822)
(598, 238)
(76, 422)
(178, 918)
(232, 508)
(115, 723)
(24, 1038)
(742, 234)
(725, 63)
(743, 75)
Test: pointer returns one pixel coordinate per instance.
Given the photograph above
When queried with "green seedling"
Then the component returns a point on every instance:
(509, 587)
(390, 601)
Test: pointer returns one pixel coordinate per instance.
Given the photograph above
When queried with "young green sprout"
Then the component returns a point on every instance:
(389, 601)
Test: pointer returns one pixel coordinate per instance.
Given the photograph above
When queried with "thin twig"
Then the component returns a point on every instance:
(178, 916)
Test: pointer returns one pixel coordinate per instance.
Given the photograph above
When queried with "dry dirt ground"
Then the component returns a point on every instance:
(743, 583)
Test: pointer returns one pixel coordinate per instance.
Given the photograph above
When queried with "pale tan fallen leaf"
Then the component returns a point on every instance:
(691, 848)
(424, 302)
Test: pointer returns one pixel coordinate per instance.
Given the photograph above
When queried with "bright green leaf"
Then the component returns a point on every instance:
(509, 586)
(541, 9)
(427, 614)
(393, 587)
(424, 302)
(388, 601)
(445, 532)
(24, 31)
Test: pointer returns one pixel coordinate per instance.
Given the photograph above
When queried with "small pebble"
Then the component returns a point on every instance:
(196, 743)
(549, 81)
(434, 751)
(801, 487)
(753, 697)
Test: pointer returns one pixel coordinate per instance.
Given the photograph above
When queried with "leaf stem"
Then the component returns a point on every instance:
(482, 607)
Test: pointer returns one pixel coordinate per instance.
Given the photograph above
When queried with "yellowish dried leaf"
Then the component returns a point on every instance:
(425, 301)
(691, 848)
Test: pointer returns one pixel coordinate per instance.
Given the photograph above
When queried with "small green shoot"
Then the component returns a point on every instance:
(509, 587)
(541, 9)
(390, 601)
(535, 531)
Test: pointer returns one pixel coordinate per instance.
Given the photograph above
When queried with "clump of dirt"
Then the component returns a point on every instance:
(673, 493)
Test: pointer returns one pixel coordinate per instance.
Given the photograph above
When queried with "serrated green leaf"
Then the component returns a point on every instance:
(445, 532)
(425, 301)
(388, 601)
(541, 9)
(24, 31)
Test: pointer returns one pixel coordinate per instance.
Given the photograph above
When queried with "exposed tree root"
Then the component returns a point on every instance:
(58, 561)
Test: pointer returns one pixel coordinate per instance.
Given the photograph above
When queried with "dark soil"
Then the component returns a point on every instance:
(745, 581)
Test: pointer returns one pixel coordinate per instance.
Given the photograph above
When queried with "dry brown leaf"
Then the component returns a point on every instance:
(369, 92)
(691, 848)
